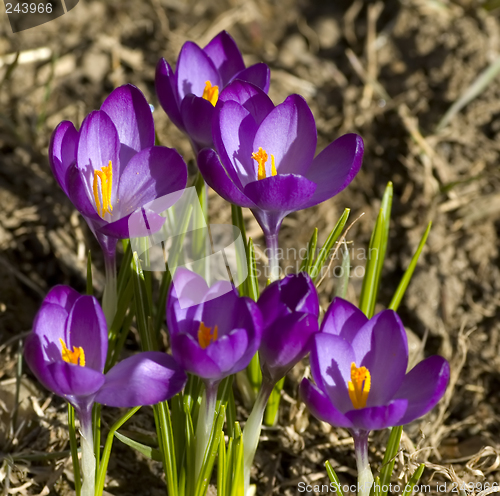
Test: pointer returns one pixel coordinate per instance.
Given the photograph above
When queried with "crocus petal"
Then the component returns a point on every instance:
(289, 133)
(225, 55)
(98, 145)
(217, 300)
(193, 358)
(331, 358)
(61, 295)
(194, 69)
(249, 96)
(321, 407)
(49, 326)
(86, 327)
(79, 194)
(216, 177)
(154, 172)
(143, 379)
(134, 225)
(387, 358)
(378, 417)
(335, 167)
(284, 193)
(37, 360)
(286, 342)
(166, 89)
(299, 293)
(231, 352)
(343, 319)
(62, 151)
(197, 116)
(257, 74)
(423, 387)
(132, 117)
(74, 380)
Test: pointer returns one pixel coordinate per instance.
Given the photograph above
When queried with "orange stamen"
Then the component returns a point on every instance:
(205, 335)
(211, 93)
(261, 158)
(359, 386)
(106, 177)
(76, 357)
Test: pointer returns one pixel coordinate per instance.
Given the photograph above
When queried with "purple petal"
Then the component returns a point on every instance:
(80, 195)
(193, 358)
(64, 296)
(249, 97)
(50, 327)
(74, 380)
(133, 225)
(298, 292)
(132, 117)
(288, 133)
(282, 193)
(225, 55)
(143, 379)
(152, 173)
(387, 358)
(331, 358)
(378, 417)
(423, 387)
(62, 151)
(285, 342)
(37, 360)
(343, 319)
(197, 116)
(86, 327)
(216, 177)
(335, 167)
(231, 352)
(166, 90)
(320, 405)
(194, 69)
(257, 74)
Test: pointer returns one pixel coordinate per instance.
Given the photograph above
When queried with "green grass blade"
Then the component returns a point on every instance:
(221, 467)
(96, 430)
(273, 405)
(414, 480)
(315, 270)
(333, 477)
(405, 280)
(307, 263)
(253, 282)
(238, 221)
(341, 288)
(391, 452)
(74, 449)
(237, 481)
(148, 451)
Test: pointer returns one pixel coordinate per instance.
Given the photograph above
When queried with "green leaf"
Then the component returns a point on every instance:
(391, 452)
(74, 449)
(405, 280)
(253, 283)
(151, 453)
(333, 477)
(341, 289)
(316, 269)
(311, 250)
(221, 467)
(272, 408)
(237, 480)
(414, 480)
(238, 221)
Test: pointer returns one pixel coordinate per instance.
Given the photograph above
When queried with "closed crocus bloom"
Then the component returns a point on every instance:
(359, 369)
(265, 157)
(189, 94)
(290, 309)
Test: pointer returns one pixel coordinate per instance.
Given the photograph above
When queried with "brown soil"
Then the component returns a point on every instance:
(386, 70)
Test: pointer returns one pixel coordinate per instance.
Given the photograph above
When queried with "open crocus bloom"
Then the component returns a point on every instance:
(217, 337)
(189, 94)
(359, 367)
(267, 158)
(110, 168)
(290, 309)
(67, 353)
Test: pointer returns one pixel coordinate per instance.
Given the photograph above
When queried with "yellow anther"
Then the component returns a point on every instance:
(211, 93)
(261, 158)
(76, 357)
(106, 177)
(205, 335)
(359, 386)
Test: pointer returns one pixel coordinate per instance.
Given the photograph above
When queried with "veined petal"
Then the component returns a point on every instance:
(37, 358)
(343, 319)
(50, 326)
(225, 56)
(197, 113)
(258, 74)
(335, 167)
(62, 151)
(143, 379)
(378, 417)
(166, 90)
(289, 133)
(132, 117)
(194, 69)
(61, 295)
(231, 352)
(80, 194)
(423, 387)
(73, 380)
(321, 407)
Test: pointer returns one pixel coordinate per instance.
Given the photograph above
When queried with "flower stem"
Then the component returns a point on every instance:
(365, 476)
(205, 421)
(87, 445)
(251, 432)
(109, 299)
(272, 248)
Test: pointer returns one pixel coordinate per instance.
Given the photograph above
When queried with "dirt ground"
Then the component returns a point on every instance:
(386, 70)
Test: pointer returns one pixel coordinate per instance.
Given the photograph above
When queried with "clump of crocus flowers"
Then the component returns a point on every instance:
(256, 155)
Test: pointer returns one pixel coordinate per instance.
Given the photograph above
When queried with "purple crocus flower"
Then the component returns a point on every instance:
(67, 352)
(265, 157)
(290, 310)
(189, 94)
(359, 367)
